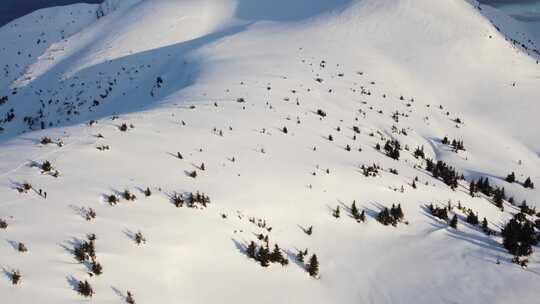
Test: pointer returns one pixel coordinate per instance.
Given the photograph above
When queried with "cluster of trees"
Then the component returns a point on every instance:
(112, 199)
(321, 113)
(519, 235)
(85, 289)
(127, 195)
(524, 208)
(312, 267)
(483, 186)
(447, 173)
(264, 255)
(139, 238)
(24, 187)
(89, 214)
(85, 252)
(191, 200)
(528, 183)
(511, 178)
(3, 224)
(358, 216)
(392, 148)
(456, 144)
(21, 247)
(439, 212)
(419, 152)
(391, 216)
(372, 170)
(15, 276)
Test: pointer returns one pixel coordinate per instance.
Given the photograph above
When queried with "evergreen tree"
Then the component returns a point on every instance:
(419, 152)
(472, 218)
(472, 188)
(385, 218)
(354, 211)
(519, 236)
(276, 256)
(264, 256)
(485, 226)
(129, 298)
(15, 277)
(3, 224)
(147, 192)
(251, 250)
(300, 256)
(85, 289)
(397, 213)
(454, 222)
(528, 183)
(498, 198)
(96, 267)
(362, 217)
(511, 177)
(336, 213)
(313, 267)
(524, 208)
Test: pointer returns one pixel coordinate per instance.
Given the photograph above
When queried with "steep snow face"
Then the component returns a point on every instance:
(109, 6)
(278, 107)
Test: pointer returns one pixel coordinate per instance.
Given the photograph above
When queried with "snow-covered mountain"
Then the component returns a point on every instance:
(281, 113)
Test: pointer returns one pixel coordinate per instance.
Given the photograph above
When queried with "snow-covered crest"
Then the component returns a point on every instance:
(178, 132)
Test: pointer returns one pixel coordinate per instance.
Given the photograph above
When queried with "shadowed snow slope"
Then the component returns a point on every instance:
(217, 81)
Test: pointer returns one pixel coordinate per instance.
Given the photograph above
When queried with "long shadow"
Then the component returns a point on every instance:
(483, 241)
(172, 65)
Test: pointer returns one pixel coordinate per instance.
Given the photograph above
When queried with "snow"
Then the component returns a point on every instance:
(158, 63)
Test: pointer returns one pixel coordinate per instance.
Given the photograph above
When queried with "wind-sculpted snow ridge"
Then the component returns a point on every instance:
(232, 151)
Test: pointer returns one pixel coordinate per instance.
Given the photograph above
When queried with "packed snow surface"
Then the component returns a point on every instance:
(248, 93)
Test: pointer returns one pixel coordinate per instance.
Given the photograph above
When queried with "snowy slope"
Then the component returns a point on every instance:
(217, 81)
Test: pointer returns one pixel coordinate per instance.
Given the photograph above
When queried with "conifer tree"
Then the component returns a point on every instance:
(129, 298)
(519, 236)
(276, 256)
(362, 217)
(354, 211)
(313, 267)
(472, 218)
(85, 289)
(472, 188)
(498, 198)
(337, 212)
(3, 224)
(15, 277)
(511, 177)
(251, 250)
(300, 256)
(264, 256)
(528, 183)
(485, 226)
(454, 222)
